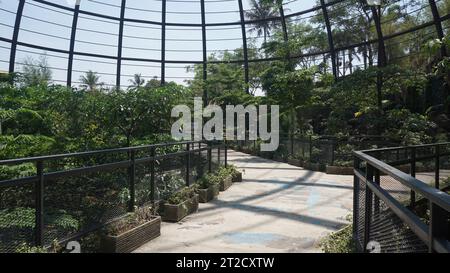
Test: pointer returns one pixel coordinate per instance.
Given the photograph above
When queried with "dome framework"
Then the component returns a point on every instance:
(281, 20)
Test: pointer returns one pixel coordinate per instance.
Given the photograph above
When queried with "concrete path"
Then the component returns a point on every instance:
(278, 208)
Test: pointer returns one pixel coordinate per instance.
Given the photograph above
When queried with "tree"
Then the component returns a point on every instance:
(5, 115)
(90, 81)
(260, 12)
(36, 72)
(137, 81)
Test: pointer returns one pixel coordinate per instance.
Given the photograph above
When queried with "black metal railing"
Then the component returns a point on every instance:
(64, 197)
(400, 199)
(324, 150)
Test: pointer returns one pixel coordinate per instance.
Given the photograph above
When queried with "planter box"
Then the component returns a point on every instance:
(226, 183)
(175, 213)
(237, 177)
(295, 162)
(279, 159)
(132, 239)
(339, 170)
(206, 195)
(316, 167)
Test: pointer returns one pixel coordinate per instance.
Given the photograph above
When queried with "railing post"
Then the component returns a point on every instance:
(333, 147)
(132, 180)
(356, 163)
(152, 175)
(188, 164)
(437, 167)
(368, 206)
(218, 155)
(226, 153)
(413, 174)
(439, 226)
(209, 157)
(39, 216)
(310, 148)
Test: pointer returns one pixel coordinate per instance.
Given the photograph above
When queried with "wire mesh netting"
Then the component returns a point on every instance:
(17, 214)
(84, 192)
(385, 226)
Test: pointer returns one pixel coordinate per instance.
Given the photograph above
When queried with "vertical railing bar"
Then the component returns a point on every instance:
(439, 225)
(39, 217)
(188, 165)
(226, 152)
(356, 164)
(132, 180)
(437, 167)
(209, 157)
(368, 205)
(152, 175)
(413, 174)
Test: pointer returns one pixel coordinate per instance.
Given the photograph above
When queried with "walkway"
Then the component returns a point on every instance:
(278, 208)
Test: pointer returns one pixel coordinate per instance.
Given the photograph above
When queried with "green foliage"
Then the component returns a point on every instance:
(339, 242)
(27, 249)
(22, 218)
(182, 195)
(130, 221)
(35, 72)
(168, 184)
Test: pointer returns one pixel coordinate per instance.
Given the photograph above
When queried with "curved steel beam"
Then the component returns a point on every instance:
(330, 38)
(438, 24)
(382, 61)
(244, 47)
(205, 56)
(72, 43)
(12, 56)
(120, 43)
(163, 42)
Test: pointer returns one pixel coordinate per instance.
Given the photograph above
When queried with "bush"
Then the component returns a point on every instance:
(339, 242)
(130, 221)
(182, 195)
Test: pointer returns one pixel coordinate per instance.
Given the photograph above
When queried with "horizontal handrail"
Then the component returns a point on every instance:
(434, 195)
(404, 147)
(106, 151)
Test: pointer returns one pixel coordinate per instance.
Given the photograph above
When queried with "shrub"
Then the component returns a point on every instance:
(130, 221)
(339, 242)
(182, 195)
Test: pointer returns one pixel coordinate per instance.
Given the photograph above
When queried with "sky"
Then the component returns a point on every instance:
(140, 40)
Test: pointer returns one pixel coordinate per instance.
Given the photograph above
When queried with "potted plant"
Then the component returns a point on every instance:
(180, 204)
(236, 176)
(226, 179)
(208, 188)
(295, 161)
(131, 231)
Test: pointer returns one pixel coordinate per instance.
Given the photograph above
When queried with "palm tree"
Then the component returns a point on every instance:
(90, 80)
(261, 11)
(137, 81)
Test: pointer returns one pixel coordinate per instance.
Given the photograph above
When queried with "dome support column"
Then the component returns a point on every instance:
(72, 43)
(205, 53)
(120, 43)
(330, 39)
(163, 42)
(12, 56)
(438, 24)
(244, 47)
